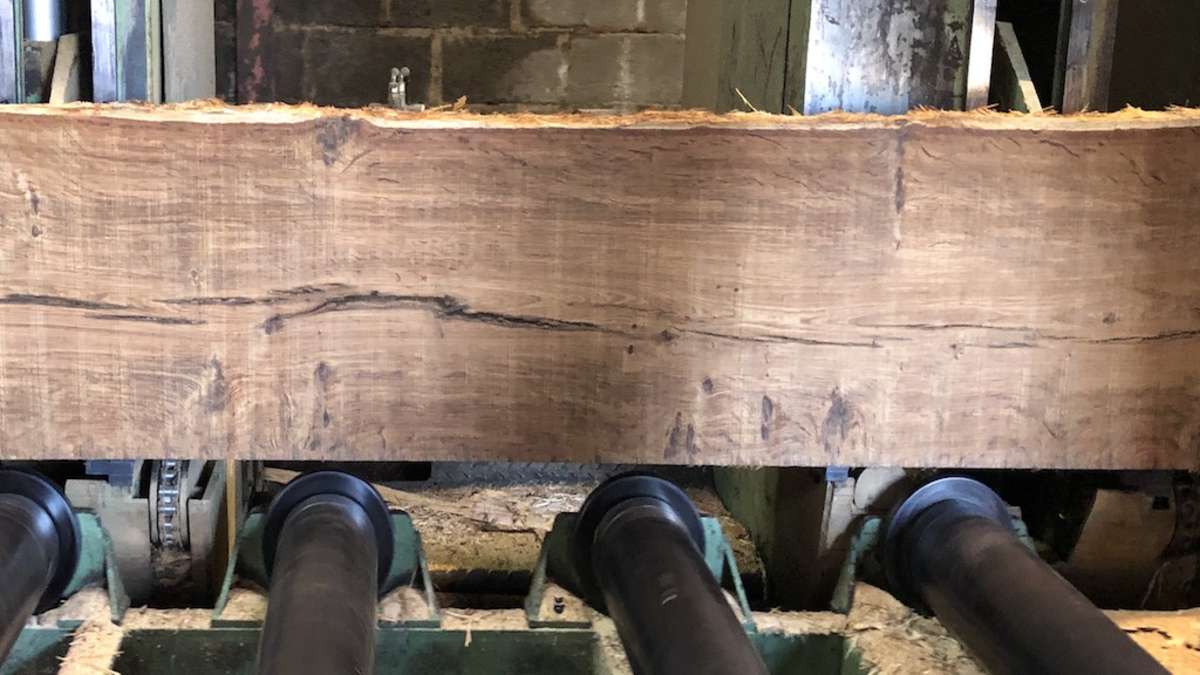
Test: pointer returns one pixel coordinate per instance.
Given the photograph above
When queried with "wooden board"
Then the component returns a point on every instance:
(1012, 86)
(1088, 31)
(737, 53)
(64, 85)
(940, 289)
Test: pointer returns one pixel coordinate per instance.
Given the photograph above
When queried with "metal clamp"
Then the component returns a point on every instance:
(398, 91)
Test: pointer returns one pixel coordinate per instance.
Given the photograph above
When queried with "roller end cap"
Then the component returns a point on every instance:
(319, 483)
(47, 495)
(609, 495)
(973, 497)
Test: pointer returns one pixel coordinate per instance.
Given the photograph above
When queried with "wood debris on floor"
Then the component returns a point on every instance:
(501, 529)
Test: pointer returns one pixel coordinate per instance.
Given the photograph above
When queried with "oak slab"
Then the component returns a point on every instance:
(936, 289)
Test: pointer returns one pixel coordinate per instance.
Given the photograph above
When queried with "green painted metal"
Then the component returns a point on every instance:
(408, 567)
(414, 646)
(853, 663)
(18, 47)
(232, 650)
(555, 562)
(863, 559)
(97, 561)
(92, 553)
(862, 545)
(556, 556)
(788, 654)
(37, 651)
(721, 561)
(420, 650)
(783, 510)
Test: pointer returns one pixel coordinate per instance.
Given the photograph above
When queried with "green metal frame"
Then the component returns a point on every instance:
(863, 559)
(547, 646)
(555, 563)
(408, 568)
(98, 560)
(39, 649)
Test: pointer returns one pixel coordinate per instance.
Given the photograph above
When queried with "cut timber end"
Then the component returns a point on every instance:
(937, 289)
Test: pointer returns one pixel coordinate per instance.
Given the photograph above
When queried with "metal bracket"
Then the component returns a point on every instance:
(398, 91)
(554, 599)
(408, 568)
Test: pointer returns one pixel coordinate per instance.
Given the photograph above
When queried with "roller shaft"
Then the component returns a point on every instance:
(328, 544)
(321, 611)
(45, 20)
(671, 614)
(956, 553)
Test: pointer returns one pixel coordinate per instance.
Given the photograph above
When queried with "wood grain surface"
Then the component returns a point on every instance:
(931, 290)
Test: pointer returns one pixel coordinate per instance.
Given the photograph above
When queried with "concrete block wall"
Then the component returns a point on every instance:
(500, 54)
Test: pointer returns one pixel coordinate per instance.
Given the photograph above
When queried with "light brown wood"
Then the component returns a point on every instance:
(931, 290)
(1011, 85)
(892, 639)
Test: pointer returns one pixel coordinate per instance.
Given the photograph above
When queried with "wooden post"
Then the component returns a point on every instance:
(736, 54)
(1085, 54)
(1013, 87)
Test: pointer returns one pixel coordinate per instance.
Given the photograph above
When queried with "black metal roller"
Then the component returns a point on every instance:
(638, 548)
(51, 499)
(39, 550)
(328, 546)
(971, 498)
(318, 483)
(951, 548)
(610, 494)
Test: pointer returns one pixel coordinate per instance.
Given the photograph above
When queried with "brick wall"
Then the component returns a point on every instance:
(502, 54)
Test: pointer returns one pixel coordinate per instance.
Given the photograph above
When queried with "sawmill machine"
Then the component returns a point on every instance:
(304, 390)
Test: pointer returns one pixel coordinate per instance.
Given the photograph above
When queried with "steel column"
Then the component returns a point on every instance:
(637, 546)
(126, 50)
(328, 544)
(45, 20)
(951, 548)
(12, 64)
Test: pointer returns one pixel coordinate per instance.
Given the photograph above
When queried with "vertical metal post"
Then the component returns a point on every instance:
(950, 547)
(105, 71)
(12, 67)
(982, 42)
(189, 69)
(637, 547)
(45, 20)
(126, 50)
(328, 545)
